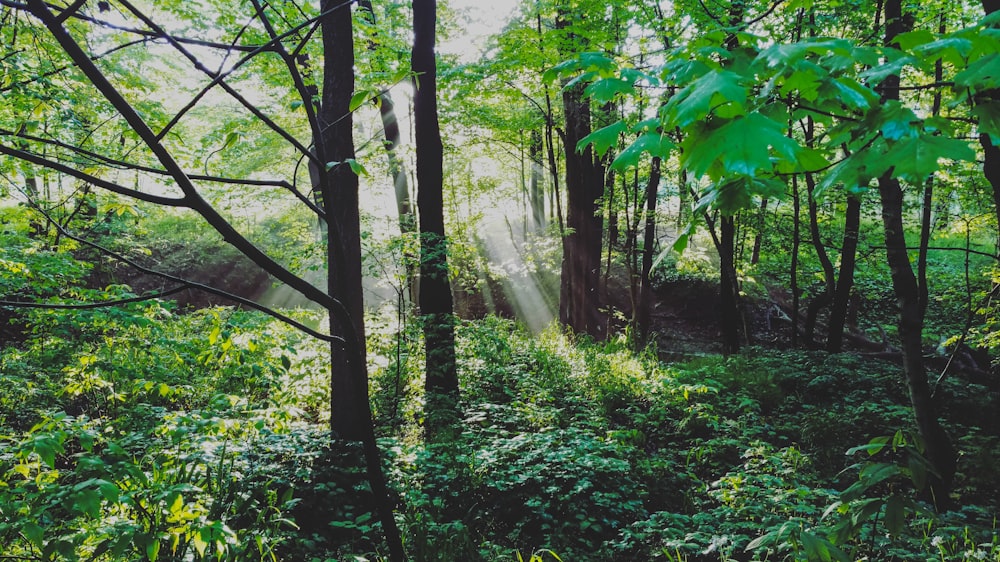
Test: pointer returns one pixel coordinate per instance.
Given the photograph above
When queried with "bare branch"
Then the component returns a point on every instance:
(93, 305)
(102, 183)
(195, 201)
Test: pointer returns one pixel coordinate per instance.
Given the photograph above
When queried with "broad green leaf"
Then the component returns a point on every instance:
(606, 89)
(918, 472)
(897, 121)
(199, 542)
(653, 144)
(894, 515)
(878, 74)
(356, 167)
(698, 99)
(34, 533)
(854, 173)
(873, 447)
(602, 139)
(907, 41)
(108, 489)
(916, 158)
(360, 97)
(853, 94)
(952, 50)
(743, 146)
(984, 74)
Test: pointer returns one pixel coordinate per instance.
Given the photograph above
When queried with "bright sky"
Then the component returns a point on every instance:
(485, 17)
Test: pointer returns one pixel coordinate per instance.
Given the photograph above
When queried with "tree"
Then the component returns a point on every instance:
(441, 382)
(911, 312)
(337, 185)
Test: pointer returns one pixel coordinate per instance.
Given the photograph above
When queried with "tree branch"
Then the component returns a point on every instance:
(195, 201)
(104, 184)
(93, 305)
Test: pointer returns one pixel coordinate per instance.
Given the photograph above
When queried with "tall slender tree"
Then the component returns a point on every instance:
(939, 449)
(436, 306)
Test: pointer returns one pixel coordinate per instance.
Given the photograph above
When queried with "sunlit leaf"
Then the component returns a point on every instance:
(697, 99)
(653, 144)
(602, 139)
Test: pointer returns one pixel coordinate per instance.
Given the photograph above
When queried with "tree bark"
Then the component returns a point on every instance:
(642, 315)
(441, 382)
(339, 198)
(845, 280)
(938, 447)
(584, 187)
(536, 187)
(729, 313)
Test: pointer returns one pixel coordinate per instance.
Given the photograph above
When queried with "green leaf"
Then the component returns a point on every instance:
(894, 515)
(853, 94)
(651, 143)
(854, 173)
(916, 158)
(989, 118)
(742, 146)
(873, 447)
(897, 121)
(602, 139)
(360, 97)
(356, 167)
(34, 534)
(984, 74)
(697, 100)
(907, 41)
(109, 490)
(952, 50)
(606, 89)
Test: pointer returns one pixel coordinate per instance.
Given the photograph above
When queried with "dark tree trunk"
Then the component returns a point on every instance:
(845, 281)
(339, 197)
(793, 275)
(758, 239)
(441, 382)
(643, 309)
(823, 299)
(582, 250)
(730, 318)
(939, 450)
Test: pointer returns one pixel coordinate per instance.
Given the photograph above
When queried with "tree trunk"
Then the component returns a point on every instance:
(823, 299)
(793, 275)
(584, 186)
(643, 310)
(729, 313)
(939, 450)
(536, 188)
(758, 239)
(845, 281)
(339, 197)
(441, 382)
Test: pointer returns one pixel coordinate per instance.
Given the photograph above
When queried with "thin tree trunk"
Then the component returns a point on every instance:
(729, 315)
(339, 197)
(643, 309)
(823, 299)
(845, 281)
(794, 268)
(536, 187)
(939, 450)
(758, 238)
(441, 382)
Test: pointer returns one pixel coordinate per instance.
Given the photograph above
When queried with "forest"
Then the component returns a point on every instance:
(523, 280)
